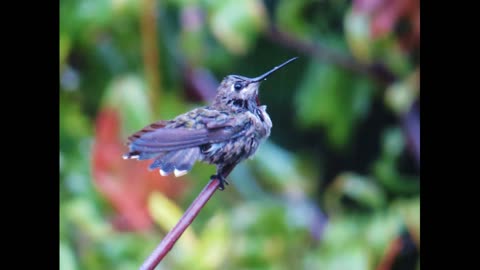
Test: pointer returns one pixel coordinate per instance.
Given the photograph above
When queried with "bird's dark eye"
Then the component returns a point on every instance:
(238, 86)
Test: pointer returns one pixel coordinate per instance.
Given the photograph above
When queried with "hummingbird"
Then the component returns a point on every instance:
(223, 133)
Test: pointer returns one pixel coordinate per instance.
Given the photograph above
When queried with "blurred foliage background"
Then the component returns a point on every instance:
(335, 187)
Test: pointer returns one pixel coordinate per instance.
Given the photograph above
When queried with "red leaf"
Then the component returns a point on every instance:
(126, 184)
(385, 15)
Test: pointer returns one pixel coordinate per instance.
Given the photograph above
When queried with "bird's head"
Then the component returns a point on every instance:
(238, 90)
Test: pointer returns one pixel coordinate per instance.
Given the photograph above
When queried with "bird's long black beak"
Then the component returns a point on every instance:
(265, 75)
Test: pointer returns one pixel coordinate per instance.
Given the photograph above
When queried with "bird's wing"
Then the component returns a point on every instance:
(163, 137)
(147, 129)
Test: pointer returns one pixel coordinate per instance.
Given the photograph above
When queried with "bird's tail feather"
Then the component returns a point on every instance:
(179, 162)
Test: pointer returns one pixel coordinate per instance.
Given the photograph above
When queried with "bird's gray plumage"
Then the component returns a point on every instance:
(224, 133)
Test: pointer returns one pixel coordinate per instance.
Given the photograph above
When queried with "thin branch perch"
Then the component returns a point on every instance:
(171, 238)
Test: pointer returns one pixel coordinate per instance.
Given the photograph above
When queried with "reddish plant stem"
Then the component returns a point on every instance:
(377, 71)
(171, 238)
(391, 253)
(150, 52)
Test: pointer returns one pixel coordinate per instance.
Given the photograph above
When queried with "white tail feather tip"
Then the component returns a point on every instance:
(179, 173)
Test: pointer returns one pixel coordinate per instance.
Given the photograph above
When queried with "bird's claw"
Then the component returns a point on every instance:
(222, 180)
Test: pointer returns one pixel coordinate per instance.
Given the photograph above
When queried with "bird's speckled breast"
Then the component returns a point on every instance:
(242, 147)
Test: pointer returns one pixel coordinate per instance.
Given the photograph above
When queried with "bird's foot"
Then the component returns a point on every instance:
(222, 180)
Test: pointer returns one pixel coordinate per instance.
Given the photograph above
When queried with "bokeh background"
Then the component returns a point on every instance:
(337, 184)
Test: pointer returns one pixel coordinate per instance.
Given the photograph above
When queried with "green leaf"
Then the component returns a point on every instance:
(282, 172)
(83, 213)
(67, 257)
(400, 95)
(166, 213)
(381, 230)
(172, 105)
(236, 24)
(358, 188)
(357, 32)
(352, 258)
(74, 125)
(289, 16)
(409, 210)
(386, 50)
(65, 44)
(342, 246)
(385, 168)
(329, 97)
(128, 94)
(214, 244)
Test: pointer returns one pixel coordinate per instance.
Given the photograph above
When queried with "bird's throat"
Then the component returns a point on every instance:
(245, 104)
